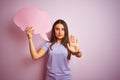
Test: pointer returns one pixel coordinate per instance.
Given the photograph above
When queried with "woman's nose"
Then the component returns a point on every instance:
(60, 31)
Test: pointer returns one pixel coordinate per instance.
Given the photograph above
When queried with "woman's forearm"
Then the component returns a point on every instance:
(32, 49)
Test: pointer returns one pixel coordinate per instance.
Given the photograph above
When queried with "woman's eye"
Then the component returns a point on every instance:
(63, 29)
(56, 28)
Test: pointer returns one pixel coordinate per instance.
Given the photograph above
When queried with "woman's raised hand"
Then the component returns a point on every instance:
(29, 32)
(73, 46)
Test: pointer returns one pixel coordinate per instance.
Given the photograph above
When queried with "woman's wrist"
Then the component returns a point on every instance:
(76, 52)
(29, 36)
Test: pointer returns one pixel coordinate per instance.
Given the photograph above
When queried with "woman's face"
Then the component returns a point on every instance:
(59, 31)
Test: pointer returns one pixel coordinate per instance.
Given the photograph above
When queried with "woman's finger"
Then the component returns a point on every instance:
(76, 41)
(68, 46)
(33, 30)
(71, 38)
(26, 29)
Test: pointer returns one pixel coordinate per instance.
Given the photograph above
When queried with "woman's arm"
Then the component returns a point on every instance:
(73, 47)
(35, 54)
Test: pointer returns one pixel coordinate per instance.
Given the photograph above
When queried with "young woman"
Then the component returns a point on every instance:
(59, 50)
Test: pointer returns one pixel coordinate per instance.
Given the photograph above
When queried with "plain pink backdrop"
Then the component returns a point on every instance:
(96, 24)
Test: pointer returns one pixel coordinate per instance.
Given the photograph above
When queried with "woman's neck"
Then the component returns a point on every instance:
(59, 41)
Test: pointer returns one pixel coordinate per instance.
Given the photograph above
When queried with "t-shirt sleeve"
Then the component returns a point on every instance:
(46, 46)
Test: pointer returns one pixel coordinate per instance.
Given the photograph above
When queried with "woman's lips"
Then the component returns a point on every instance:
(59, 35)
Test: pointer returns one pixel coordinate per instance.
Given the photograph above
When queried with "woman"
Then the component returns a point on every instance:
(59, 50)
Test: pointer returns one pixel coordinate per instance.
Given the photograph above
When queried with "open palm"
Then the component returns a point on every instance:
(73, 46)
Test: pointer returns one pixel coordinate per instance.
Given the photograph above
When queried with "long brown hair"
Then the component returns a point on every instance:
(65, 40)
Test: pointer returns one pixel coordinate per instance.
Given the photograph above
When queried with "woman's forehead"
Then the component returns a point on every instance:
(59, 26)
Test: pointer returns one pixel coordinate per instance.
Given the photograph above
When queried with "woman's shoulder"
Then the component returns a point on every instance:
(46, 46)
(47, 43)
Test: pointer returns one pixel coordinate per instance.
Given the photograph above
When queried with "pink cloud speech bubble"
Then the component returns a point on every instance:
(35, 18)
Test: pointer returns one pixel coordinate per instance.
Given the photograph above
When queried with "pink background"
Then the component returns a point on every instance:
(96, 24)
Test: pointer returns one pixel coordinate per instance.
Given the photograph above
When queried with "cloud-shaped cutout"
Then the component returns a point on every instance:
(35, 18)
